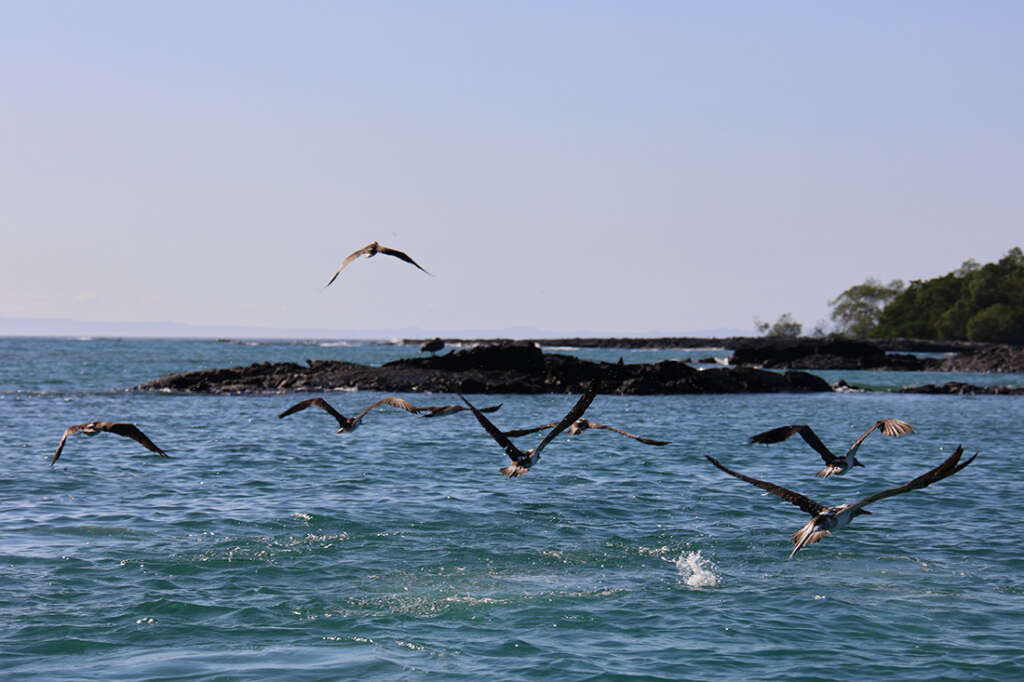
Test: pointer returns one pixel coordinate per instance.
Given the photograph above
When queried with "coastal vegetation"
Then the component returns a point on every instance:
(856, 311)
(973, 303)
(785, 327)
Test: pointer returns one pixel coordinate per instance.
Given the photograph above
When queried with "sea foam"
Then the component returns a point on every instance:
(698, 571)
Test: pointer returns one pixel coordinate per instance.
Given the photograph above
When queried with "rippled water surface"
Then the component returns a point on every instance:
(271, 548)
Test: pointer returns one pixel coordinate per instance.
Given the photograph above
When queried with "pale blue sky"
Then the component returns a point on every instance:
(611, 168)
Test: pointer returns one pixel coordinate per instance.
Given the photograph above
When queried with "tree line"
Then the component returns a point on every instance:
(973, 303)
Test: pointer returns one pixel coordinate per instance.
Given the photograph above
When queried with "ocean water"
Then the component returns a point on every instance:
(275, 549)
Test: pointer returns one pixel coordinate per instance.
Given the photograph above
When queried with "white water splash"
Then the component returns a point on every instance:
(699, 572)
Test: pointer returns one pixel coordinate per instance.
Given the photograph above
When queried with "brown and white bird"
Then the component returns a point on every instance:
(826, 519)
(834, 465)
(371, 250)
(347, 424)
(125, 429)
(581, 425)
(523, 460)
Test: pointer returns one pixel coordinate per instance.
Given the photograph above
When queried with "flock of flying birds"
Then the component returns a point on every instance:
(824, 518)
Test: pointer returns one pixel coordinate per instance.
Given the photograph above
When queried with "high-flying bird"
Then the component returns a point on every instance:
(523, 460)
(834, 464)
(433, 345)
(125, 429)
(371, 250)
(347, 424)
(445, 410)
(825, 519)
(581, 425)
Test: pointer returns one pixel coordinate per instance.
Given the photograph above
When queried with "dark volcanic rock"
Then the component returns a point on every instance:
(989, 359)
(961, 388)
(828, 353)
(503, 368)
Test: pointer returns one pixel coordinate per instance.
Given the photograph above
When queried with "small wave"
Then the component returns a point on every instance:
(467, 599)
(699, 572)
(652, 551)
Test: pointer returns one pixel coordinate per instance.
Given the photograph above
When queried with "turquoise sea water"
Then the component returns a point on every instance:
(275, 549)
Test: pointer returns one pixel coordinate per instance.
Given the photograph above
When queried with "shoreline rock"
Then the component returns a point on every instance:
(1002, 359)
(727, 342)
(518, 367)
(962, 388)
(811, 353)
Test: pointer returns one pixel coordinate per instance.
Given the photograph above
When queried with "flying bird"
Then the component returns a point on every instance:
(825, 519)
(445, 410)
(834, 464)
(120, 428)
(371, 250)
(581, 425)
(523, 460)
(347, 424)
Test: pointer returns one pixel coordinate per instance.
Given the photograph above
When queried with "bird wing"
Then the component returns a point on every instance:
(443, 410)
(888, 427)
(393, 402)
(67, 432)
(807, 504)
(514, 453)
(131, 431)
(649, 441)
(944, 470)
(806, 432)
(348, 259)
(398, 254)
(575, 413)
(319, 402)
(515, 433)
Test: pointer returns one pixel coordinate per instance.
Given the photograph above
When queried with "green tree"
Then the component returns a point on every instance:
(976, 302)
(856, 310)
(784, 326)
(996, 323)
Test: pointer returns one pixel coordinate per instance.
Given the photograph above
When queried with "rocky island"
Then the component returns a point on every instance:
(814, 353)
(505, 367)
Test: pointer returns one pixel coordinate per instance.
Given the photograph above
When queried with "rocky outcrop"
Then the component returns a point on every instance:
(827, 353)
(728, 342)
(502, 368)
(961, 388)
(988, 359)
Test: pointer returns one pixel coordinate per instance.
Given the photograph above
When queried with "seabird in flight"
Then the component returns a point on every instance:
(581, 425)
(825, 519)
(371, 250)
(347, 424)
(833, 464)
(120, 428)
(523, 460)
